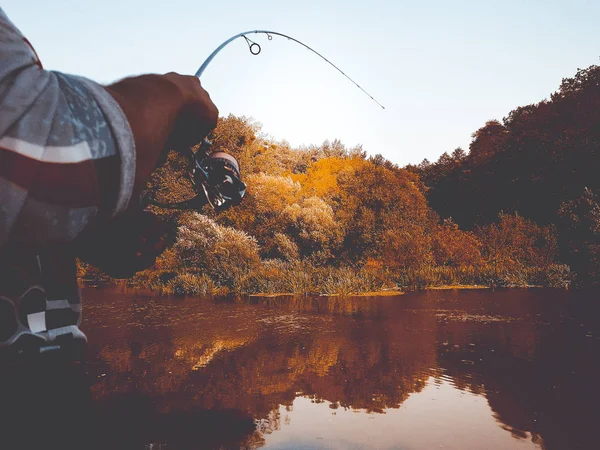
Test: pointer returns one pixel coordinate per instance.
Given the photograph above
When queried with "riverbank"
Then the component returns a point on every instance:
(303, 278)
(213, 290)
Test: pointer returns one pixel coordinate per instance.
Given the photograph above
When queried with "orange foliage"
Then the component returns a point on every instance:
(454, 247)
(321, 178)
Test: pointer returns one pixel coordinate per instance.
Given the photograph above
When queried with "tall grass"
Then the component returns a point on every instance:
(276, 276)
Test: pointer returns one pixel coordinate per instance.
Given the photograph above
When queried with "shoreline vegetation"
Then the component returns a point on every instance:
(209, 259)
(520, 209)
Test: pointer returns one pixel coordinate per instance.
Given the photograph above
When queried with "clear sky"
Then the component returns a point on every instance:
(441, 68)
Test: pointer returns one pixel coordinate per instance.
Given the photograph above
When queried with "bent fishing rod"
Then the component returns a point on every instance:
(255, 49)
(216, 175)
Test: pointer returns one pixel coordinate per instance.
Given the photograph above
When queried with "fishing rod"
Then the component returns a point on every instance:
(216, 175)
(255, 49)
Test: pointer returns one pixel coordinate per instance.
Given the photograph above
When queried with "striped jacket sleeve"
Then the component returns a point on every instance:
(67, 153)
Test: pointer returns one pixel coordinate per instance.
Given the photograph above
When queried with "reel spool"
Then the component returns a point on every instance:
(217, 176)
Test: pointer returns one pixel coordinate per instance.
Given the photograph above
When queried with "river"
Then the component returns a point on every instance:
(451, 369)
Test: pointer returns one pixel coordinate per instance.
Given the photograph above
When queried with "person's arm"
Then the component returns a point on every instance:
(74, 153)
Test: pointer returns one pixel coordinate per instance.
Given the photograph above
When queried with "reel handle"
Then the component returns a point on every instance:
(205, 146)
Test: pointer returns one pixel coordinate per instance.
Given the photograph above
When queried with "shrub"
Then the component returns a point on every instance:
(223, 253)
(187, 283)
(558, 276)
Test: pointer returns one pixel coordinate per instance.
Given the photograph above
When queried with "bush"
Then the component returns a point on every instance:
(558, 276)
(187, 283)
(224, 254)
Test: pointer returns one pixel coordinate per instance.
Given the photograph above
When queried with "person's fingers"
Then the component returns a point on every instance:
(197, 117)
(201, 105)
(151, 243)
(153, 246)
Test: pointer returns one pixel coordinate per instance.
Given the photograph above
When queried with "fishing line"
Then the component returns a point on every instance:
(255, 49)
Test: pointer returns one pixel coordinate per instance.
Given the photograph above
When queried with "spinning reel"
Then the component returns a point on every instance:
(215, 178)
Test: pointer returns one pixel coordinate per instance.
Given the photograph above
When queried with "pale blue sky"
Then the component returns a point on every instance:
(441, 68)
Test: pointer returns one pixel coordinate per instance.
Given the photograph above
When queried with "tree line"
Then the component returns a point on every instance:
(542, 162)
(519, 208)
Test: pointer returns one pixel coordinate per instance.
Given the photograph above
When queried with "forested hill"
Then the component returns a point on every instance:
(541, 161)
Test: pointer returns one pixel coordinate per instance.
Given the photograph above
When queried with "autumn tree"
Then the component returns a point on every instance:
(374, 199)
(260, 214)
(516, 244)
(454, 247)
(406, 248)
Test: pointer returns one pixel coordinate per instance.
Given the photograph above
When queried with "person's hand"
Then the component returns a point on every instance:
(127, 244)
(197, 117)
(163, 111)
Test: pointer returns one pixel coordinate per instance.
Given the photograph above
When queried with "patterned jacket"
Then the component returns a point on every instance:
(67, 158)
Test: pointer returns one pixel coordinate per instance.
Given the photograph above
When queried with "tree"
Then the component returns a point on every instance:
(540, 156)
(260, 214)
(374, 199)
(407, 248)
(454, 247)
(487, 142)
(516, 244)
(584, 81)
(579, 227)
(459, 155)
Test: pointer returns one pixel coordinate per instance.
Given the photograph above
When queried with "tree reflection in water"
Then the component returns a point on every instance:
(172, 373)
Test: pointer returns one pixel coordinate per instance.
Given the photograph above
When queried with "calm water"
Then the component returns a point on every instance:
(515, 369)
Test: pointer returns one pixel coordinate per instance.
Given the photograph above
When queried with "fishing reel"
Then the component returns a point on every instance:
(215, 178)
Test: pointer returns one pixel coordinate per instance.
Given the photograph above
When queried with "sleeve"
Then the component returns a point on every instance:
(67, 153)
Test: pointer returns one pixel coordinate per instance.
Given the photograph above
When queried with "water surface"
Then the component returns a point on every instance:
(513, 369)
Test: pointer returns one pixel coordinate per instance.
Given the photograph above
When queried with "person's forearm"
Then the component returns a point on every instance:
(151, 104)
